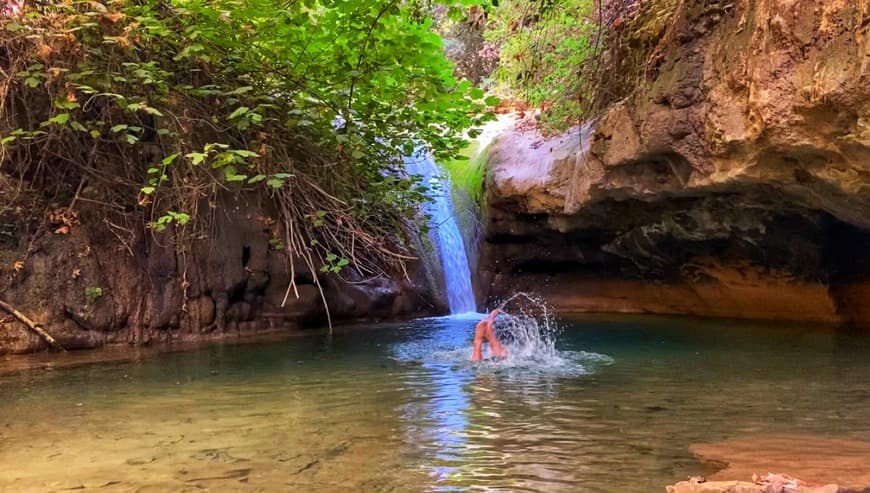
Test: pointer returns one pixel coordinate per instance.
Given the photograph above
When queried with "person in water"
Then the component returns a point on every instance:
(484, 332)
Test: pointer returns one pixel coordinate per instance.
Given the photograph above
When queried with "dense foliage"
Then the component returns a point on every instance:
(176, 101)
(545, 52)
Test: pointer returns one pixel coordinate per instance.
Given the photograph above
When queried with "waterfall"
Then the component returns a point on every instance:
(445, 232)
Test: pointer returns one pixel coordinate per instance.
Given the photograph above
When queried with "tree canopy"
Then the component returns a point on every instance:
(174, 101)
(166, 105)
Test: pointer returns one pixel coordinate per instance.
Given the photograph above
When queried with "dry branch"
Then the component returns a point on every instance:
(32, 325)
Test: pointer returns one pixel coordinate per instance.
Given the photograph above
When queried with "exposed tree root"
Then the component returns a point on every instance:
(32, 325)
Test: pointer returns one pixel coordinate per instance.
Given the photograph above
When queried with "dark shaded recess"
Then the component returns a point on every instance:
(303, 278)
(530, 218)
(807, 244)
(236, 293)
(9, 234)
(246, 255)
(578, 253)
(626, 214)
(5, 59)
(617, 267)
(847, 251)
(796, 244)
(816, 247)
(504, 238)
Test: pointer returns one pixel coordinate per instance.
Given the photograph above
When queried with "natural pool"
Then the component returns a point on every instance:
(395, 409)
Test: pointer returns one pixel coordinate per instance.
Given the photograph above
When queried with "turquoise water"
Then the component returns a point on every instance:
(398, 408)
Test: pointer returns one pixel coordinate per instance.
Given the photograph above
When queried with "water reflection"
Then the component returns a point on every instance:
(487, 427)
(401, 409)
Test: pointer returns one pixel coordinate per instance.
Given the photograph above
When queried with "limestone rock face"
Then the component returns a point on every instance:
(736, 176)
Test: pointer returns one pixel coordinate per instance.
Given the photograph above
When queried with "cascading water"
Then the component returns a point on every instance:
(451, 248)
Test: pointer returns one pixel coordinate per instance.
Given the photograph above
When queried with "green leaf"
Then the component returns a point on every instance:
(60, 118)
(239, 112)
(256, 179)
(151, 111)
(148, 190)
(231, 176)
(170, 159)
(240, 90)
(195, 157)
(119, 128)
(64, 104)
(492, 101)
(180, 217)
(214, 145)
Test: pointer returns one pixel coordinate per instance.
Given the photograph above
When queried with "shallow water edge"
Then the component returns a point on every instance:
(399, 408)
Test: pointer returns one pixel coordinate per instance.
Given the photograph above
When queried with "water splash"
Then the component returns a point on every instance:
(536, 301)
(529, 330)
(451, 247)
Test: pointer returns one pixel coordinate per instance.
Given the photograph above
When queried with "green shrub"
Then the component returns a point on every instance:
(467, 174)
(164, 104)
(547, 53)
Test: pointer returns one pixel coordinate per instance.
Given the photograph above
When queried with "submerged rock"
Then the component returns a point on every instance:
(814, 459)
(734, 181)
(696, 485)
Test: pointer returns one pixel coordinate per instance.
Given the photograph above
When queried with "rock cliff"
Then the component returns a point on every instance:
(107, 279)
(733, 181)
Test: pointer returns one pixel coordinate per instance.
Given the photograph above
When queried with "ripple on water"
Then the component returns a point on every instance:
(320, 414)
(530, 335)
(559, 364)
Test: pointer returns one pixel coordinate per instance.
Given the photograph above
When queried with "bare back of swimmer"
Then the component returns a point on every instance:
(484, 332)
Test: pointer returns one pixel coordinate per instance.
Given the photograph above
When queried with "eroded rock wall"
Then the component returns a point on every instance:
(109, 280)
(734, 181)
